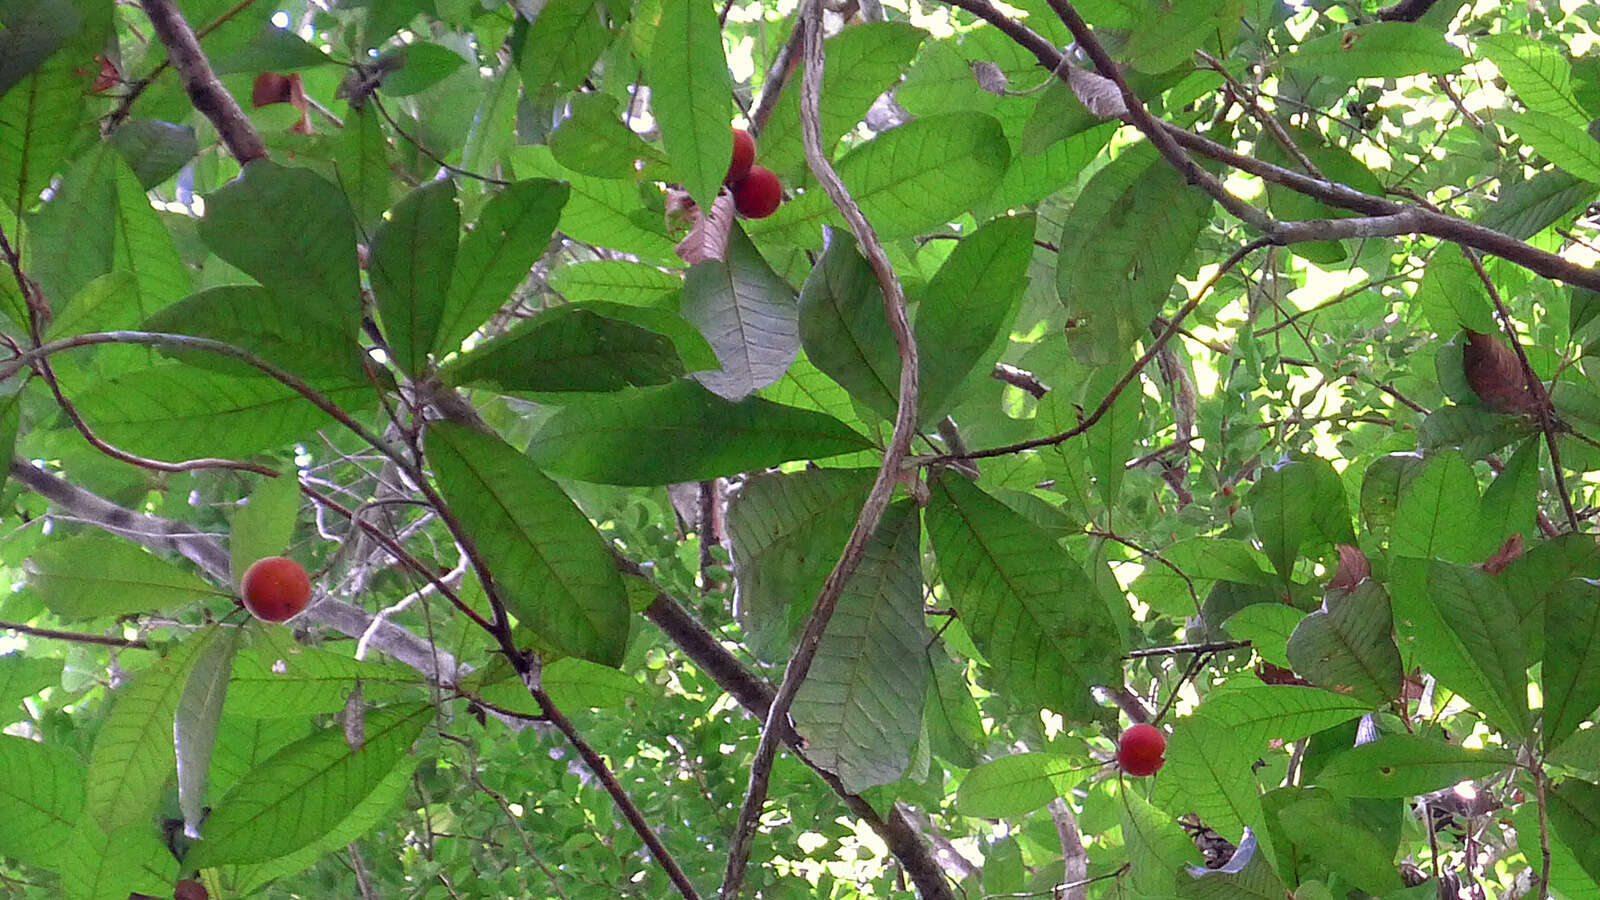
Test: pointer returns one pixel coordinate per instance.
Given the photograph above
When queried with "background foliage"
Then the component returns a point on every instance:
(1253, 399)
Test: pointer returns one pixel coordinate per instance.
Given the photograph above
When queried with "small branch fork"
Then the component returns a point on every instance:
(205, 91)
(888, 472)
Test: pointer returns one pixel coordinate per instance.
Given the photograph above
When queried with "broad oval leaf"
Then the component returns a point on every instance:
(566, 39)
(413, 255)
(747, 312)
(306, 789)
(615, 280)
(1348, 645)
(1029, 606)
(1257, 714)
(682, 432)
(860, 708)
(689, 93)
(552, 569)
(41, 788)
(1403, 765)
(844, 329)
(1020, 783)
(1378, 50)
(906, 180)
(1571, 670)
(96, 575)
(250, 318)
(569, 349)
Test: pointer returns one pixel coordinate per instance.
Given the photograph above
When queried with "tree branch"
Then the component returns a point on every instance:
(905, 423)
(74, 637)
(205, 91)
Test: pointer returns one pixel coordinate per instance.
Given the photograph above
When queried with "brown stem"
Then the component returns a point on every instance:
(905, 425)
(205, 91)
(75, 637)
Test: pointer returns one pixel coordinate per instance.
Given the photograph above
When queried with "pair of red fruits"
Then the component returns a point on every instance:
(756, 191)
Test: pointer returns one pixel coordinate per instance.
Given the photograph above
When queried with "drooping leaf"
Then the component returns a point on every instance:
(1538, 72)
(155, 150)
(1348, 645)
(606, 212)
(1158, 849)
(1403, 765)
(276, 677)
(1332, 831)
(1378, 50)
(22, 676)
(689, 93)
(747, 313)
(1020, 783)
(510, 234)
(906, 180)
(96, 575)
(1575, 816)
(306, 789)
(966, 308)
(413, 255)
(552, 569)
(1571, 681)
(1041, 624)
(194, 730)
(860, 707)
(681, 432)
(1122, 246)
(115, 862)
(361, 160)
(43, 112)
(569, 349)
(844, 329)
(785, 532)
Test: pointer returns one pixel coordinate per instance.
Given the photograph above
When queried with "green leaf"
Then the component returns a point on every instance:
(42, 113)
(844, 329)
(133, 755)
(615, 280)
(1564, 143)
(1567, 875)
(250, 318)
(412, 257)
(115, 862)
(422, 66)
(1124, 241)
(572, 683)
(747, 312)
(565, 40)
(1248, 875)
(41, 788)
(1403, 765)
(270, 215)
(567, 348)
(22, 676)
(1526, 208)
(689, 93)
(1538, 72)
(907, 180)
(1258, 714)
(860, 708)
(361, 161)
(306, 789)
(1031, 610)
(682, 432)
(95, 575)
(194, 729)
(1169, 38)
(967, 308)
(1158, 848)
(155, 150)
(264, 525)
(1267, 626)
(595, 141)
(73, 239)
(1385, 483)
(1461, 626)
(950, 715)
(1437, 514)
(177, 411)
(785, 532)
(1019, 783)
(1330, 831)
(1571, 679)
(1208, 773)
(1297, 504)
(1336, 164)
(1575, 816)
(863, 61)
(605, 212)
(1348, 645)
(32, 33)
(511, 232)
(1378, 50)
(276, 677)
(552, 569)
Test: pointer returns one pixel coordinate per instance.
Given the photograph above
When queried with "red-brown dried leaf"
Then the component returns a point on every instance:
(1509, 552)
(1271, 674)
(1495, 374)
(708, 234)
(1353, 569)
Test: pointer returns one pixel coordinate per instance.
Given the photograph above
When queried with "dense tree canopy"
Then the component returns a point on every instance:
(1217, 365)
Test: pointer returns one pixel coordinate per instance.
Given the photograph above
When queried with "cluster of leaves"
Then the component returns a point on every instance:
(562, 490)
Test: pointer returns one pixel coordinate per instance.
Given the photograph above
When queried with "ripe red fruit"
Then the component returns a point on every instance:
(744, 153)
(190, 890)
(1140, 749)
(275, 588)
(758, 194)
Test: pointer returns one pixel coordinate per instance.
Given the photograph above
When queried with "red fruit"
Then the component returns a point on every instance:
(190, 890)
(275, 588)
(744, 153)
(758, 194)
(1140, 749)
(270, 88)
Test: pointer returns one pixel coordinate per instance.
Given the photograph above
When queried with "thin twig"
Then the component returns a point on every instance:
(624, 803)
(905, 422)
(125, 106)
(205, 91)
(74, 637)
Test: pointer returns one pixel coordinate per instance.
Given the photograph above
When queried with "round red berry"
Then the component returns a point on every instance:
(275, 589)
(1140, 749)
(758, 194)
